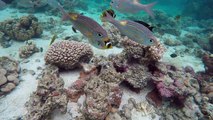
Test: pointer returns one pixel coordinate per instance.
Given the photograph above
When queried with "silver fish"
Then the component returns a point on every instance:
(132, 6)
(96, 35)
(133, 30)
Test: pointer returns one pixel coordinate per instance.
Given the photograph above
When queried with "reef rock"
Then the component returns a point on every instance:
(22, 29)
(50, 95)
(136, 51)
(28, 50)
(68, 54)
(9, 73)
(101, 89)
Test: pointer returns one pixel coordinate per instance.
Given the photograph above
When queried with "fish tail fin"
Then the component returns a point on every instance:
(148, 9)
(106, 16)
(56, 5)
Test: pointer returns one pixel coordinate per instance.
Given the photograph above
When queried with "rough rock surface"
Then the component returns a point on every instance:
(50, 95)
(9, 73)
(22, 29)
(28, 49)
(68, 54)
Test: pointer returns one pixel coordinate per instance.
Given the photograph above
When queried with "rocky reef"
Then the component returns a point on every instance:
(68, 54)
(50, 95)
(22, 29)
(9, 75)
(27, 50)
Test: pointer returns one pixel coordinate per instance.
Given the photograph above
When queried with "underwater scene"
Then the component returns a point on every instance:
(106, 60)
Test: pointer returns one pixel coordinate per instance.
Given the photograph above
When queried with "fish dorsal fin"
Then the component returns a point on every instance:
(123, 23)
(145, 24)
(73, 16)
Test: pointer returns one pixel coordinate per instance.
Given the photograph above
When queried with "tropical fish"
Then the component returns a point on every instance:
(133, 30)
(96, 35)
(53, 39)
(132, 6)
(2, 4)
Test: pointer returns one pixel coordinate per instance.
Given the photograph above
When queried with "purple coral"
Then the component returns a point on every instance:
(164, 91)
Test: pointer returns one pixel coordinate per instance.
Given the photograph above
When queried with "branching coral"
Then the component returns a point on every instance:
(22, 29)
(50, 95)
(27, 50)
(9, 73)
(68, 54)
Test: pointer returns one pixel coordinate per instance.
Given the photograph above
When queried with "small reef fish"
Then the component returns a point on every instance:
(53, 39)
(2, 4)
(133, 30)
(132, 6)
(96, 35)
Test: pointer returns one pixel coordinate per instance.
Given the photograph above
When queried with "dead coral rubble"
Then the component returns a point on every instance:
(101, 89)
(50, 95)
(68, 54)
(22, 29)
(9, 73)
(28, 49)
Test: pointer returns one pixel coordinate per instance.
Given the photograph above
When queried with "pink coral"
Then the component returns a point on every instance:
(165, 92)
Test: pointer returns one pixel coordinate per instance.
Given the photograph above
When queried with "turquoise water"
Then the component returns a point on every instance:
(152, 64)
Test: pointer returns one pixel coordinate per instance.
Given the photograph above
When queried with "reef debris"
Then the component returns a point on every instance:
(27, 50)
(50, 95)
(101, 87)
(22, 29)
(9, 73)
(68, 54)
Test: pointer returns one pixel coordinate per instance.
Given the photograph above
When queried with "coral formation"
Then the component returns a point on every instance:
(31, 3)
(50, 95)
(195, 9)
(28, 49)
(136, 51)
(68, 54)
(101, 90)
(208, 62)
(25, 28)
(5, 41)
(9, 73)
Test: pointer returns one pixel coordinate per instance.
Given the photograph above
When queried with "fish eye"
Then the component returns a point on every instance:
(151, 40)
(99, 34)
(109, 44)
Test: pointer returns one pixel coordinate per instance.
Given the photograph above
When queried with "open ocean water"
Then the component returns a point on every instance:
(106, 60)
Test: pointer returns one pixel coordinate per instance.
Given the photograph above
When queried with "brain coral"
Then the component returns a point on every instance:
(24, 28)
(68, 54)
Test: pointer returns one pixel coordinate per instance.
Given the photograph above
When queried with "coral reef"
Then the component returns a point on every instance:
(101, 89)
(50, 95)
(28, 49)
(5, 41)
(68, 54)
(163, 23)
(31, 3)
(208, 62)
(136, 51)
(9, 73)
(22, 29)
(195, 9)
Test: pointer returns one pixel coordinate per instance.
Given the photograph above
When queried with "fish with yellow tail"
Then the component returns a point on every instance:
(138, 31)
(132, 6)
(96, 35)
